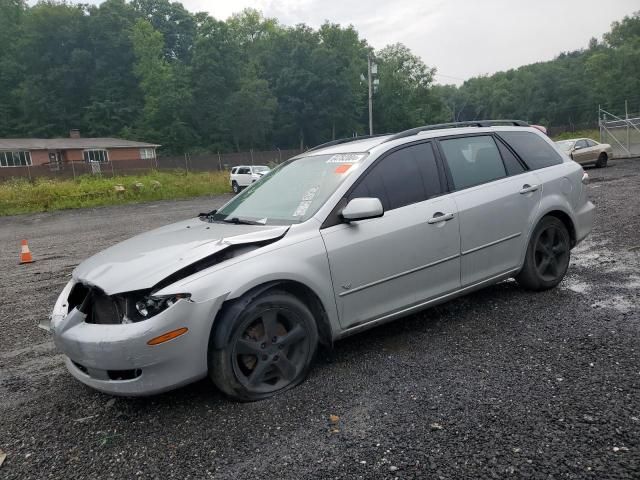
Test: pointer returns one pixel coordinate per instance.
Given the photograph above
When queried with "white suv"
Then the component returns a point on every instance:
(244, 175)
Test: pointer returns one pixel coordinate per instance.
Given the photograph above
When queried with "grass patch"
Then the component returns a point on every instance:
(20, 195)
(592, 134)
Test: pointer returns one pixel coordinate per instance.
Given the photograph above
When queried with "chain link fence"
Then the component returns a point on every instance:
(621, 132)
(206, 162)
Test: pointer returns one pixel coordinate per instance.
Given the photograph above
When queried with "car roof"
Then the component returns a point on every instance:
(366, 145)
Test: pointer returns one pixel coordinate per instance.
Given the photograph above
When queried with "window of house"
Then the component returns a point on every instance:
(473, 160)
(96, 155)
(532, 149)
(147, 153)
(15, 159)
(403, 177)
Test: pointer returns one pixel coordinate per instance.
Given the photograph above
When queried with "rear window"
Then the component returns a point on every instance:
(473, 160)
(532, 149)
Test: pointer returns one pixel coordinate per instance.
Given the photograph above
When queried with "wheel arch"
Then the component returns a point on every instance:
(220, 332)
(566, 220)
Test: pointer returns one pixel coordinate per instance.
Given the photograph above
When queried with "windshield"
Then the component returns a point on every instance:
(565, 145)
(292, 192)
(260, 169)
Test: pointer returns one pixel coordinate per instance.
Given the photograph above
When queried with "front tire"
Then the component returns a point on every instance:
(235, 187)
(602, 160)
(547, 257)
(270, 346)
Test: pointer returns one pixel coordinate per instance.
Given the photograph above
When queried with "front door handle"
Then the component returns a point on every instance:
(526, 188)
(440, 217)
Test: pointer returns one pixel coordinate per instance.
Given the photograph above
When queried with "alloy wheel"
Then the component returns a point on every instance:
(551, 253)
(270, 351)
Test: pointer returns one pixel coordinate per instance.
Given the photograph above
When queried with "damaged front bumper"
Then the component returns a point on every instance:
(117, 359)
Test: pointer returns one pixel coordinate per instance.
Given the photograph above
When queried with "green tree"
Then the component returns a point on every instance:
(403, 97)
(11, 69)
(115, 98)
(250, 111)
(58, 68)
(167, 98)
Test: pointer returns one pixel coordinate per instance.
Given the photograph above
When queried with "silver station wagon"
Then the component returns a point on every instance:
(343, 237)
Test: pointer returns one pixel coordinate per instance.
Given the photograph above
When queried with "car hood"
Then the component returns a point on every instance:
(144, 260)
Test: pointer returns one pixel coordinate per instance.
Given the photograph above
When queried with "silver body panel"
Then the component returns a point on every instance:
(363, 273)
(426, 265)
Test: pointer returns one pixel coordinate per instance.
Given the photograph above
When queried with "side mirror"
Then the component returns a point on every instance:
(577, 147)
(362, 208)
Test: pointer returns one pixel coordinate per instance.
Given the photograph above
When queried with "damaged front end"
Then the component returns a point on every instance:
(138, 341)
(102, 309)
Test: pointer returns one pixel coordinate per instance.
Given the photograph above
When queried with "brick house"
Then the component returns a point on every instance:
(55, 153)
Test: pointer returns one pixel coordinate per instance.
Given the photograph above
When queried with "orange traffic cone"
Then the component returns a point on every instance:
(25, 254)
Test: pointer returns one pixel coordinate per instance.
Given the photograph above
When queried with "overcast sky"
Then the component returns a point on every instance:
(461, 38)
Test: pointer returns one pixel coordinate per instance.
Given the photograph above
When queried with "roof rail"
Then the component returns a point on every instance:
(344, 140)
(474, 123)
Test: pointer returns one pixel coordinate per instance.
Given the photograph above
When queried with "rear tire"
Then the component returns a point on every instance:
(271, 343)
(235, 187)
(602, 160)
(547, 257)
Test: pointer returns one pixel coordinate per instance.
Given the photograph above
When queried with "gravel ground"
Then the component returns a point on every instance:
(501, 383)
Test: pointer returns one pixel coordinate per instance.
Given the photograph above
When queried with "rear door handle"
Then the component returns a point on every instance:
(440, 217)
(526, 188)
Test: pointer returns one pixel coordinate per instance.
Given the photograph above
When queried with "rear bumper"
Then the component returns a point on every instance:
(116, 359)
(584, 221)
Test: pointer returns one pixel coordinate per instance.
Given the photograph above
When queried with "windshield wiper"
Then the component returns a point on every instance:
(238, 221)
(208, 215)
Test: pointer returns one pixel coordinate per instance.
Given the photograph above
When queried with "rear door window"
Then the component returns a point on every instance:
(532, 149)
(403, 177)
(473, 160)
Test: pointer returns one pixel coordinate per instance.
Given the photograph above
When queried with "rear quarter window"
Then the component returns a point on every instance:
(532, 149)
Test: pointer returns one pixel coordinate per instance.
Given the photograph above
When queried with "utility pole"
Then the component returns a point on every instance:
(370, 94)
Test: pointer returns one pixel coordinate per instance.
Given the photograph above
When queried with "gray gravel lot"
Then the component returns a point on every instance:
(500, 384)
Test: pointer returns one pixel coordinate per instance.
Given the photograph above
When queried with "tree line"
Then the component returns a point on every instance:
(151, 70)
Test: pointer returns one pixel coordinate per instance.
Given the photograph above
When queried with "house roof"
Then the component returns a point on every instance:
(69, 143)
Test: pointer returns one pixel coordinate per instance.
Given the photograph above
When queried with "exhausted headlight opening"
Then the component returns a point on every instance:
(151, 305)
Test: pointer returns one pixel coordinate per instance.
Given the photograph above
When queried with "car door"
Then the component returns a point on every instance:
(581, 152)
(383, 265)
(594, 150)
(496, 198)
(244, 176)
